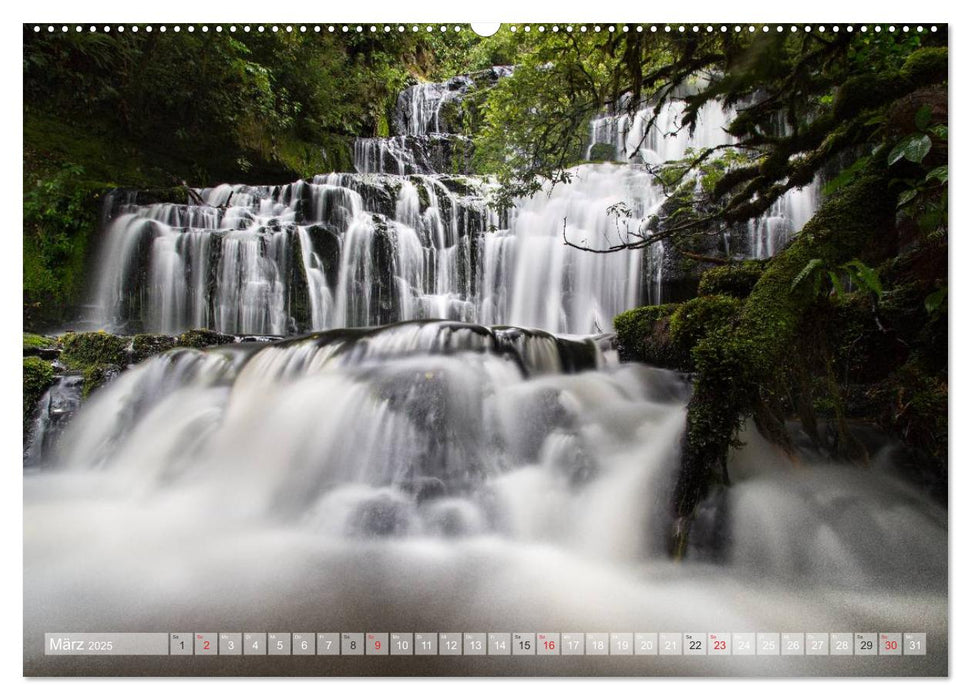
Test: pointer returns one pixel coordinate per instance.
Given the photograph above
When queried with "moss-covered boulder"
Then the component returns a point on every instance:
(644, 335)
(38, 376)
(736, 280)
(146, 345)
(99, 356)
(82, 350)
(41, 346)
(201, 338)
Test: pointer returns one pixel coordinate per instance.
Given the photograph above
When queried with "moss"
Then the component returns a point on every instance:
(643, 335)
(737, 280)
(33, 342)
(927, 65)
(329, 153)
(423, 199)
(38, 376)
(98, 375)
(695, 319)
(146, 345)
(201, 338)
(83, 350)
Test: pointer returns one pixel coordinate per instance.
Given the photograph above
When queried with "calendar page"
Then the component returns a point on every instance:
(522, 349)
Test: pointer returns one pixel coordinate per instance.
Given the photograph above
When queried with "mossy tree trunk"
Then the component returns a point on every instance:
(739, 366)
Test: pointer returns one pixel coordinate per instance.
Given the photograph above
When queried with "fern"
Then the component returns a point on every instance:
(811, 266)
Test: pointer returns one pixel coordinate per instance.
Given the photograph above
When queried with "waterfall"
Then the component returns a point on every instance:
(345, 479)
(623, 135)
(400, 240)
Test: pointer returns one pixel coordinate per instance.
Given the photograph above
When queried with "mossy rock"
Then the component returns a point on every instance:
(32, 341)
(83, 350)
(38, 376)
(643, 335)
(41, 346)
(98, 375)
(736, 280)
(146, 345)
(201, 338)
(694, 320)
(424, 201)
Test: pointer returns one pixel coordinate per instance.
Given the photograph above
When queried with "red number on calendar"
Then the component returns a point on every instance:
(377, 645)
(205, 644)
(720, 646)
(550, 645)
(890, 645)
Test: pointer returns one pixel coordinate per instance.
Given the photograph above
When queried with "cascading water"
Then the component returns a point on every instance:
(445, 476)
(397, 243)
(359, 250)
(627, 137)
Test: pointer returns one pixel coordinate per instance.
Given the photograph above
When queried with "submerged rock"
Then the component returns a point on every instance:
(381, 516)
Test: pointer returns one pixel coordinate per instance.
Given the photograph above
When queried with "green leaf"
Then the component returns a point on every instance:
(939, 173)
(905, 197)
(837, 285)
(940, 131)
(805, 272)
(864, 276)
(934, 300)
(923, 117)
(845, 176)
(914, 148)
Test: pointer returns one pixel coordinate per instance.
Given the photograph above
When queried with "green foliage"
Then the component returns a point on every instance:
(60, 215)
(535, 121)
(914, 148)
(807, 100)
(735, 279)
(842, 278)
(38, 376)
(936, 301)
(222, 106)
(924, 198)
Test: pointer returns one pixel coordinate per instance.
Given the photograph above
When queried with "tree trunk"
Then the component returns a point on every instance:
(738, 367)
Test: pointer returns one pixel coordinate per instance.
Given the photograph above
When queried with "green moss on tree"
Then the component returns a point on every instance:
(736, 279)
(696, 318)
(644, 335)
